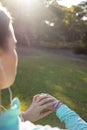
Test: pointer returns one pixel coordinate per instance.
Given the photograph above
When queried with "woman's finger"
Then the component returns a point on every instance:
(36, 97)
(43, 96)
(46, 113)
(46, 100)
(47, 105)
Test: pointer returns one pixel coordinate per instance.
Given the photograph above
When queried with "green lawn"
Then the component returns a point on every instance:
(63, 77)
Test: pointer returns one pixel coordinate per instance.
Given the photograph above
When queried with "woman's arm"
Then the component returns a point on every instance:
(71, 119)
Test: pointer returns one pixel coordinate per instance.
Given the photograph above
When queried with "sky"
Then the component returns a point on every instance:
(69, 3)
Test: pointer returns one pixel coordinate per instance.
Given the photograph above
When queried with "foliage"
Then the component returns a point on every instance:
(52, 23)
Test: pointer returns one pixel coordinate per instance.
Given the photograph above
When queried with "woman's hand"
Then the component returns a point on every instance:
(41, 106)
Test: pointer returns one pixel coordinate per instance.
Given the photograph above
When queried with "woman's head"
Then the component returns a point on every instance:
(8, 55)
(5, 19)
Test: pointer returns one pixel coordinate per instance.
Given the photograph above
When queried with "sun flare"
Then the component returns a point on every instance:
(27, 2)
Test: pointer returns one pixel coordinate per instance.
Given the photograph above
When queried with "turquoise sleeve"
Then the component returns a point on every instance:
(71, 119)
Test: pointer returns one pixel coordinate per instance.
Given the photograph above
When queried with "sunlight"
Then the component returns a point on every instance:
(27, 2)
(69, 3)
(49, 23)
(22, 4)
(47, 3)
(84, 18)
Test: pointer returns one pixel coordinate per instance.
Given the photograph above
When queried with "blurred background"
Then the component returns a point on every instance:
(52, 48)
(50, 23)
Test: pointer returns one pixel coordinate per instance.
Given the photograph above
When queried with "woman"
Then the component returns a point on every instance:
(42, 104)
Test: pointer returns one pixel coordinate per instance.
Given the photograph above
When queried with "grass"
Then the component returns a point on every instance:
(63, 77)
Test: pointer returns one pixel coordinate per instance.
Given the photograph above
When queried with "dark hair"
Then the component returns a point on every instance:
(5, 20)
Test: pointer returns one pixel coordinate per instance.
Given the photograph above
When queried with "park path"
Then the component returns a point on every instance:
(44, 51)
(68, 53)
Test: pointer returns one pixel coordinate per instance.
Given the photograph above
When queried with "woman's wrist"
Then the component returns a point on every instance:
(27, 116)
(23, 116)
(57, 105)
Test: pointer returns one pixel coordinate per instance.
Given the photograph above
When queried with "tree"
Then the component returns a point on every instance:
(48, 22)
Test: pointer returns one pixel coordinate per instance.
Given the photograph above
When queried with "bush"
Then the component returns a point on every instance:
(80, 50)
